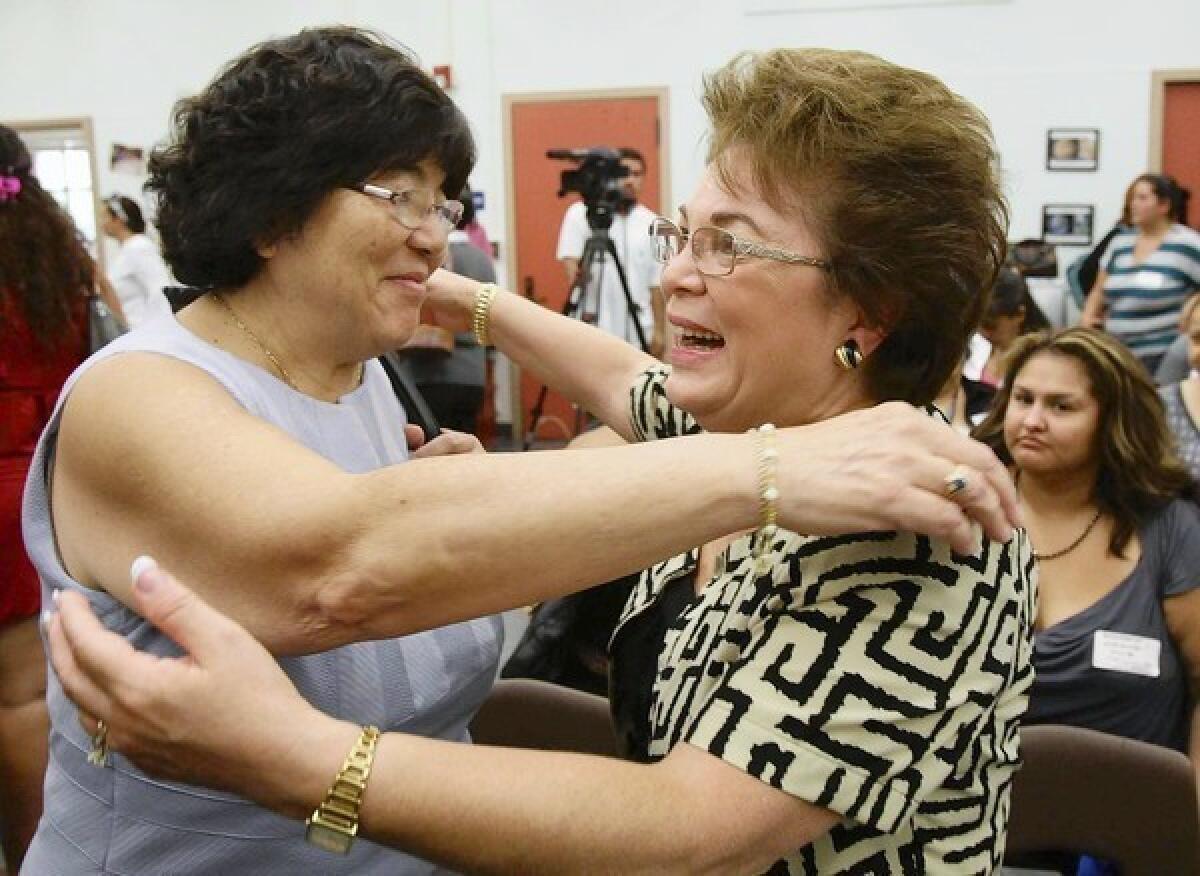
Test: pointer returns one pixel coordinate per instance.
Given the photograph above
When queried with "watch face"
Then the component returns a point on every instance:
(328, 838)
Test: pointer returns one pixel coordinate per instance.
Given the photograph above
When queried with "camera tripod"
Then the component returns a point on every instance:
(588, 288)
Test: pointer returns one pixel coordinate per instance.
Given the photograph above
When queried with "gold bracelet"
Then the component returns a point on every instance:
(483, 310)
(768, 496)
(334, 824)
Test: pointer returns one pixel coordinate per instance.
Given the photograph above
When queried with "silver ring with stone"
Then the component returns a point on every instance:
(956, 482)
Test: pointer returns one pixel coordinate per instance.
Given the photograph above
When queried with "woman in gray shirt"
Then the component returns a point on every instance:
(1117, 637)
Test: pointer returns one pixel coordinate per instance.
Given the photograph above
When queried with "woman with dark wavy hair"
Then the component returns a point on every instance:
(45, 276)
(1107, 504)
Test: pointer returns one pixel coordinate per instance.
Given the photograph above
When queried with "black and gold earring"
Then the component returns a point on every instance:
(848, 355)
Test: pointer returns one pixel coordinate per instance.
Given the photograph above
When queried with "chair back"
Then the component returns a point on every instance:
(1119, 799)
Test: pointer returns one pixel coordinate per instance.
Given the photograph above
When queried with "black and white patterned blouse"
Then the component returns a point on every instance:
(879, 675)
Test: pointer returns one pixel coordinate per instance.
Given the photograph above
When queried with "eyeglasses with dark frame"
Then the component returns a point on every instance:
(414, 207)
(716, 251)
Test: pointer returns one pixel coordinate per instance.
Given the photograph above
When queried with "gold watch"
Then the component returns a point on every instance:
(334, 824)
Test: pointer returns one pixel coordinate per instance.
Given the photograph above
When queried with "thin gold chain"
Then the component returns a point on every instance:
(287, 378)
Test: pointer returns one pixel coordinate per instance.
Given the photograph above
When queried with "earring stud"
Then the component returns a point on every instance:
(848, 355)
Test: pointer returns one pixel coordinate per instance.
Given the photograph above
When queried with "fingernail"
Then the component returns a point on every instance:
(144, 583)
(47, 615)
(55, 596)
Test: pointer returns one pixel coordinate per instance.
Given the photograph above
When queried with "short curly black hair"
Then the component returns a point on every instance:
(252, 156)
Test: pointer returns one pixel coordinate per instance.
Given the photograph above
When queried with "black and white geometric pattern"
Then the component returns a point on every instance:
(879, 675)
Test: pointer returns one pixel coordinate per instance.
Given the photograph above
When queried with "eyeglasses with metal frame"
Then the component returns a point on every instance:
(414, 207)
(716, 251)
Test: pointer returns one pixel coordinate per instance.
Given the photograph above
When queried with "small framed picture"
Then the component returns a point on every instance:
(1068, 224)
(1072, 149)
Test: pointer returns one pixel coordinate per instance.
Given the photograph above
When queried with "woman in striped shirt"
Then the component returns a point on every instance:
(1148, 273)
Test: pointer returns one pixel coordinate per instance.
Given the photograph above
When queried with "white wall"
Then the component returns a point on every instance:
(1029, 64)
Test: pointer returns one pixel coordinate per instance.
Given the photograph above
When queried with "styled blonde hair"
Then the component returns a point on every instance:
(897, 176)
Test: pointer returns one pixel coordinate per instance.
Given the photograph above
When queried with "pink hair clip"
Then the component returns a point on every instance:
(10, 187)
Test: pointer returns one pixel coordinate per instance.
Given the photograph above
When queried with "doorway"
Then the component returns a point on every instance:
(566, 120)
(1175, 131)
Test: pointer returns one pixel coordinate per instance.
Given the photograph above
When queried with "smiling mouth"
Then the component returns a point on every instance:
(698, 339)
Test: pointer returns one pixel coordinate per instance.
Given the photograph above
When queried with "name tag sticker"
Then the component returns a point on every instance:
(1123, 652)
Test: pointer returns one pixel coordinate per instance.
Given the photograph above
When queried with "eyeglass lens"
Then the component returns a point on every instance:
(712, 248)
(414, 207)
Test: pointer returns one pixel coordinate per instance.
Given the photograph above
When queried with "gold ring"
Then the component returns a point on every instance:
(956, 482)
(98, 754)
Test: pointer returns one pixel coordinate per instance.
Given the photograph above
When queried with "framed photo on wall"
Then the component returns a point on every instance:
(1072, 149)
(1068, 224)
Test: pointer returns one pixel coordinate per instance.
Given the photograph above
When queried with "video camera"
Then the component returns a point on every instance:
(597, 177)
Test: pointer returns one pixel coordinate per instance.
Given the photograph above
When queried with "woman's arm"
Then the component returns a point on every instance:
(155, 457)
(108, 295)
(588, 366)
(1183, 623)
(213, 717)
(1093, 306)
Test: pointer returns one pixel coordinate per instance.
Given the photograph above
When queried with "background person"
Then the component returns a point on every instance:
(472, 229)
(1182, 399)
(1107, 506)
(1011, 312)
(138, 272)
(45, 278)
(1117, 647)
(630, 236)
(798, 681)
(453, 381)
(1148, 273)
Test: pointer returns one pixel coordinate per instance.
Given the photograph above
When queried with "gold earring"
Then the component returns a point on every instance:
(848, 355)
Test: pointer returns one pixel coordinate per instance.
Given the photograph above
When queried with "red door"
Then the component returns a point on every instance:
(538, 124)
(1181, 134)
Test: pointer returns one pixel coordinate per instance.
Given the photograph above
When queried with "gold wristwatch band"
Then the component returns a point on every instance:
(334, 824)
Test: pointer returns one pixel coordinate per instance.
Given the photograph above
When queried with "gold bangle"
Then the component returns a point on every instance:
(483, 310)
(334, 824)
(768, 495)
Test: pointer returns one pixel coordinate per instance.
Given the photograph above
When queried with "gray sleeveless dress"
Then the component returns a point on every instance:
(117, 819)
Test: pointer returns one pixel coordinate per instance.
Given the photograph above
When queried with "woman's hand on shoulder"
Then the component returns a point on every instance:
(212, 716)
(889, 468)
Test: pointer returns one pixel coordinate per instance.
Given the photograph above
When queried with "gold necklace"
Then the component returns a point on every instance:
(287, 378)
